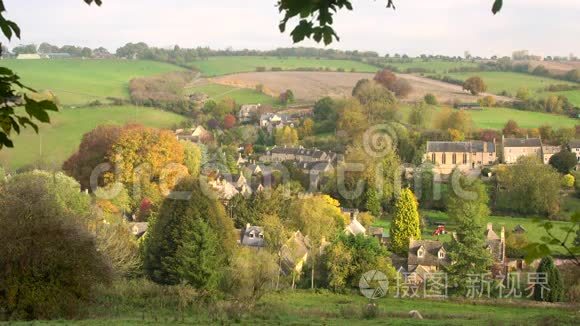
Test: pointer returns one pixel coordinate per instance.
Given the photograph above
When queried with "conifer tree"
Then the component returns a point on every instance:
(553, 291)
(467, 206)
(372, 201)
(405, 223)
(190, 240)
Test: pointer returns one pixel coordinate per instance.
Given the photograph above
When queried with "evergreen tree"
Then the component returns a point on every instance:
(190, 240)
(554, 290)
(467, 206)
(405, 223)
(372, 201)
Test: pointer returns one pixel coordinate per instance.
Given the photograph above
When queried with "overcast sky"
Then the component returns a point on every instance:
(546, 27)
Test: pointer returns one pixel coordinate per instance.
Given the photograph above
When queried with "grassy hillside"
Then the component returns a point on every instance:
(510, 81)
(56, 141)
(496, 118)
(77, 81)
(437, 66)
(138, 302)
(215, 66)
(240, 95)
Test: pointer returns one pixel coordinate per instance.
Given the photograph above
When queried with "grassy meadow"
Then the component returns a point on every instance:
(217, 92)
(78, 81)
(498, 82)
(216, 66)
(496, 118)
(140, 302)
(59, 139)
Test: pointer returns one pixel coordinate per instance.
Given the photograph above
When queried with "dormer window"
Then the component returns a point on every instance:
(261, 235)
(421, 252)
(441, 254)
(252, 234)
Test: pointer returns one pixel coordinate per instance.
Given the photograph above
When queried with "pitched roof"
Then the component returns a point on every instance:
(355, 228)
(461, 146)
(574, 143)
(522, 142)
(430, 258)
(293, 252)
(253, 236)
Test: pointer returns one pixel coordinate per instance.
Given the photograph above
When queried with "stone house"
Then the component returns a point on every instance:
(197, 134)
(465, 155)
(252, 236)
(514, 148)
(574, 145)
(548, 151)
(248, 112)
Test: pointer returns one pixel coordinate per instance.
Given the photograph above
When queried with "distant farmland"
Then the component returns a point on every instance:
(496, 118)
(56, 141)
(436, 66)
(76, 81)
(498, 81)
(216, 66)
(217, 92)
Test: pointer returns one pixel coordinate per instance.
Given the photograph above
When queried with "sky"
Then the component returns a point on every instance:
(450, 27)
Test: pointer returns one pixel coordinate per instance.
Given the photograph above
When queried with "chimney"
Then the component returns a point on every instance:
(490, 226)
(502, 243)
(247, 226)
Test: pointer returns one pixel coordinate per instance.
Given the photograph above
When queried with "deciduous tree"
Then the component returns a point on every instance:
(474, 85)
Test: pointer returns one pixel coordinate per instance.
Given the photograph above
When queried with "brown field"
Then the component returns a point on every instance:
(311, 86)
(557, 67)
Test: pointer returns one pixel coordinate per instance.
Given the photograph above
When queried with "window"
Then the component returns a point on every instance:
(441, 254)
(421, 252)
(433, 158)
(454, 158)
(464, 158)
(444, 158)
(261, 235)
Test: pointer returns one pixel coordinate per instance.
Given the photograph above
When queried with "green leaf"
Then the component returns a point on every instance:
(6, 30)
(4, 141)
(496, 6)
(38, 110)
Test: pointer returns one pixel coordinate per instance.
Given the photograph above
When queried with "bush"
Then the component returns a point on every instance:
(49, 260)
(568, 181)
(430, 99)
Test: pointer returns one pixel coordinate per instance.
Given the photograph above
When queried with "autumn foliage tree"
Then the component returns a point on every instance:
(92, 151)
(474, 85)
(386, 78)
(229, 121)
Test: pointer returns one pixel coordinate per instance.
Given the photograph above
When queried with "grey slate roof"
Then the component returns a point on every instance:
(253, 236)
(430, 258)
(522, 142)
(574, 143)
(460, 146)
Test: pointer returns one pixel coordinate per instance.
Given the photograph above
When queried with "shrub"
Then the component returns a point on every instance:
(568, 181)
(430, 99)
(49, 260)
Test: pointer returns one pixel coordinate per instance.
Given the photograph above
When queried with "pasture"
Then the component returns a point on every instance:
(59, 139)
(216, 66)
(140, 302)
(77, 81)
(510, 82)
(496, 118)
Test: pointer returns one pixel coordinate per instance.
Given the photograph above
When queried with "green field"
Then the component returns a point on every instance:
(510, 81)
(573, 96)
(77, 81)
(435, 66)
(496, 118)
(217, 92)
(138, 302)
(533, 231)
(58, 140)
(215, 66)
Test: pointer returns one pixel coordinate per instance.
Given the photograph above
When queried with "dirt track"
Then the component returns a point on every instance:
(311, 86)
